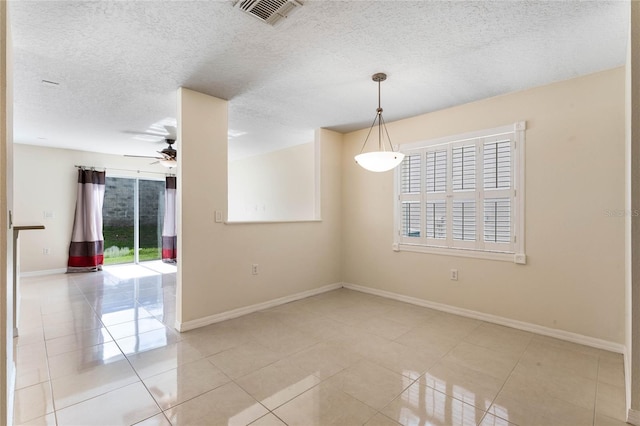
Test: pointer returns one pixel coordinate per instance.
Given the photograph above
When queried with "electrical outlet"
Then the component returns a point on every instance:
(454, 275)
(46, 251)
(218, 216)
(254, 269)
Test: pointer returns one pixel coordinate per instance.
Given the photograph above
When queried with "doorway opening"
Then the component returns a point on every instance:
(132, 212)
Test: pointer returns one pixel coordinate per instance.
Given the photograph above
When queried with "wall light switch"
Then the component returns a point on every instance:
(454, 275)
(218, 216)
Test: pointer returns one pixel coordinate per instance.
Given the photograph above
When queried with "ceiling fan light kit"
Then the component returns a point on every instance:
(381, 160)
(169, 154)
(168, 163)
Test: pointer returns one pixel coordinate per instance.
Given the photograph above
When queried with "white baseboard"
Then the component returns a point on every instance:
(520, 325)
(41, 273)
(627, 382)
(223, 316)
(633, 417)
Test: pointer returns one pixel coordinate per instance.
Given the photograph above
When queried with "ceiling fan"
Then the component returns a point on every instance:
(169, 156)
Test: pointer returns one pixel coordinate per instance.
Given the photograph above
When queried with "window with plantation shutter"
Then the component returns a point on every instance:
(464, 195)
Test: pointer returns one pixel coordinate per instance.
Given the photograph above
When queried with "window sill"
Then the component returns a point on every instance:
(519, 258)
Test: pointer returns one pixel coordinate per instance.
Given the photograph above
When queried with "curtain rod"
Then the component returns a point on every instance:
(122, 170)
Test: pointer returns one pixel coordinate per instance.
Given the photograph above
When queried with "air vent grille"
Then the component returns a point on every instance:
(269, 11)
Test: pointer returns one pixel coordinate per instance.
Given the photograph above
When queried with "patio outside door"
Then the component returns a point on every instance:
(132, 213)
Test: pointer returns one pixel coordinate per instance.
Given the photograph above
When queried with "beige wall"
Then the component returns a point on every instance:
(575, 172)
(574, 279)
(46, 180)
(214, 268)
(277, 186)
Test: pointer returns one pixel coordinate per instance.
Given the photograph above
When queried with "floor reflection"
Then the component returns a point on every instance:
(102, 347)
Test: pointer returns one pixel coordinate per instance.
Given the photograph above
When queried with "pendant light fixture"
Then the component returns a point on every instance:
(381, 160)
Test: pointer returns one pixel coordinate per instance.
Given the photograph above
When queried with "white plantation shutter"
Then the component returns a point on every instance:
(497, 165)
(497, 181)
(411, 166)
(497, 220)
(463, 167)
(436, 171)
(458, 195)
(464, 220)
(437, 220)
(411, 175)
(435, 195)
(411, 219)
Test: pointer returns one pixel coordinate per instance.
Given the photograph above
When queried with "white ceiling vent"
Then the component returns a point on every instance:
(269, 11)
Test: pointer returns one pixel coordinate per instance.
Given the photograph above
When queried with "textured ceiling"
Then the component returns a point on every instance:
(119, 63)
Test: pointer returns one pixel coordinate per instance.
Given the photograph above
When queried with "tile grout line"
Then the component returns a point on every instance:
(437, 361)
(600, 371)
(133, 369)
(55, 410)
(119, 348)
(163, 411)
(259, 402)
(53, 401)
(325, 379)
(50, 381)
(458, 344)
(86, 300)
(595, 395)
(506, 380)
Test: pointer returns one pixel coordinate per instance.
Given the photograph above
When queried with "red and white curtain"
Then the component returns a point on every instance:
(86, 251)
(169, 235)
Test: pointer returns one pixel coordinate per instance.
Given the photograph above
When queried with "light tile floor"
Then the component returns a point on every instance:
(100, 348)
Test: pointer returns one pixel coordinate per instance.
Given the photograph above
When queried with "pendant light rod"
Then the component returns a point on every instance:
(379, 77)
(369, 133)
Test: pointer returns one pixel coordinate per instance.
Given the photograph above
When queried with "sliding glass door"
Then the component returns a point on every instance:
(132, 214)
(150, 214)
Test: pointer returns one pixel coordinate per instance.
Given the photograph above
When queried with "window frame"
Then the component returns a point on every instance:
(515, 252)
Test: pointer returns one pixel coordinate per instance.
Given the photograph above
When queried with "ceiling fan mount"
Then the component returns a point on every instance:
(169, 152)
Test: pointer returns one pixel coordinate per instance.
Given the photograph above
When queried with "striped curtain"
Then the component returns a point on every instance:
(86, 251)
(169, 235)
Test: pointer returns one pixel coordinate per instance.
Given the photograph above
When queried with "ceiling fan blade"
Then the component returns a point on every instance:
(143, 156)
(167, 156)
(146, 136)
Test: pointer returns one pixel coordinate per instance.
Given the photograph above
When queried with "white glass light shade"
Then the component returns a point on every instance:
(169, 163)
(379, 161)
